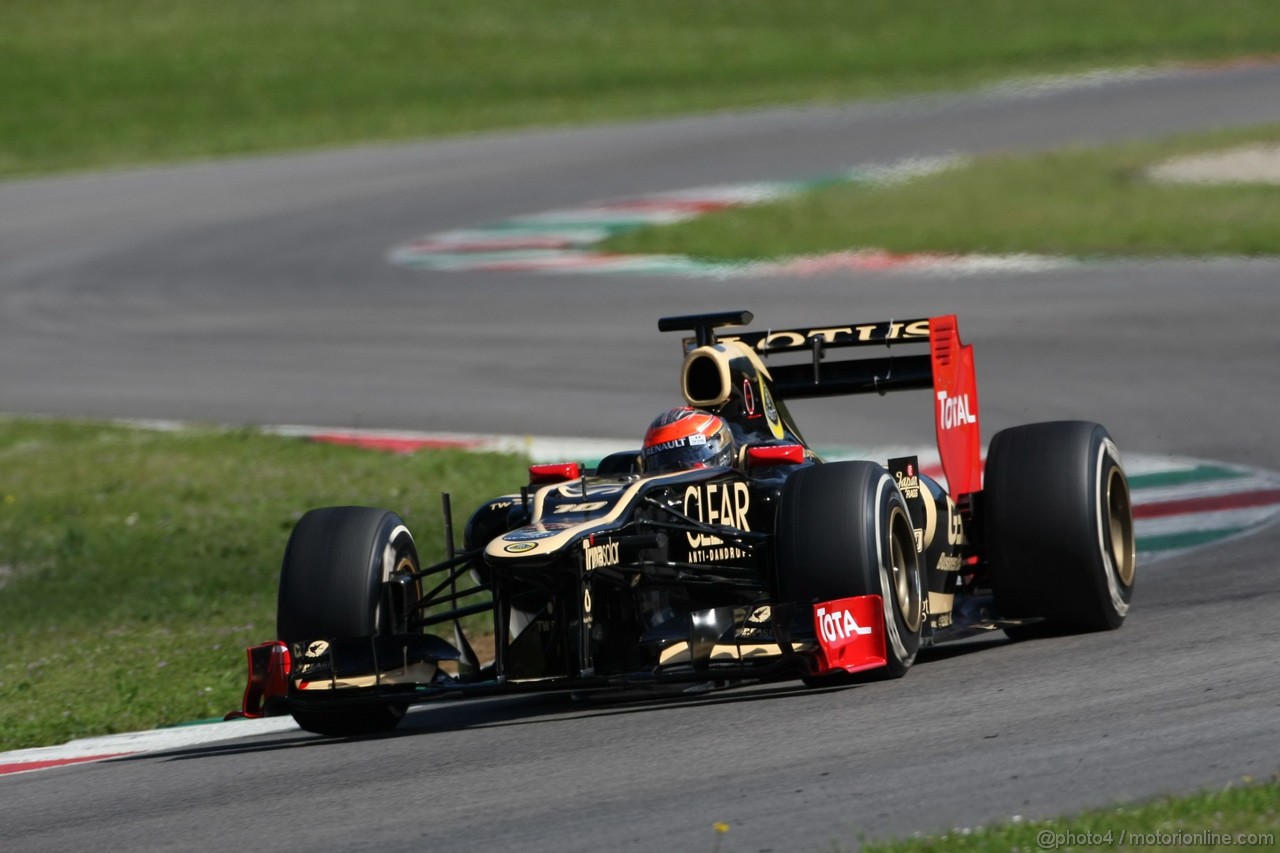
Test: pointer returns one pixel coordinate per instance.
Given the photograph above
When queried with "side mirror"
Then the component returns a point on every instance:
(775, 454)
(558, 472)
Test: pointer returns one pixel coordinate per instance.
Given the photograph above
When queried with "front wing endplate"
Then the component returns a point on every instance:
(851, 635)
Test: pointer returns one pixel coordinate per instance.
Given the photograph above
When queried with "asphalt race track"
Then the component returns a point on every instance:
(258, 291)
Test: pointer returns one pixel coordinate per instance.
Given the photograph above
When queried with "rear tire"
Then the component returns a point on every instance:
(331, 588)
(843, 529)
(1058, 528)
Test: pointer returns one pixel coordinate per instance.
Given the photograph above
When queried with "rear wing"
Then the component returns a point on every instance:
(879, 374)
(946, 368)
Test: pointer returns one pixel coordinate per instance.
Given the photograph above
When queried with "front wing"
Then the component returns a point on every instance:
(848, 636)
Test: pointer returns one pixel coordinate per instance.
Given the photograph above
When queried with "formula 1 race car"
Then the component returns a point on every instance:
(721, 551)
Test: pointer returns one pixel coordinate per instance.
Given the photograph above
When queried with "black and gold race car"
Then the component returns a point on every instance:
(721, 551)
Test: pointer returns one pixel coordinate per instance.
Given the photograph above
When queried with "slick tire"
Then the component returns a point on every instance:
(1058, 528)
(331, 587)
(843, 529)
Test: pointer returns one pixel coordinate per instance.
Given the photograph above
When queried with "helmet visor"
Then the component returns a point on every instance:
(694, 451)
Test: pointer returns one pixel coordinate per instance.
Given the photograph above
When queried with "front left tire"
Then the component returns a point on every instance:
(331, 588)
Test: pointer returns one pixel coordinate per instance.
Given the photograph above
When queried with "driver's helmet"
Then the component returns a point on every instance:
(686, 438)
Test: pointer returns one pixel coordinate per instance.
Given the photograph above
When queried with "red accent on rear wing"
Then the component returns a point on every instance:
(955, 407)
(269, 668)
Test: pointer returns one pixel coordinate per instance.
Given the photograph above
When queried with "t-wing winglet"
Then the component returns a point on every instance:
(705, 325)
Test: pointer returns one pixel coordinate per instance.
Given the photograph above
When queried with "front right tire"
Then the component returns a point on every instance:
(843, 529)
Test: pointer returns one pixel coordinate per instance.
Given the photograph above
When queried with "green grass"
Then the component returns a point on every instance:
(1247, 816)
(137, 566)
(93, 83)
(1082, 202)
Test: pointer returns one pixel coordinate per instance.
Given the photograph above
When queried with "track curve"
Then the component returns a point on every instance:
(258, 292)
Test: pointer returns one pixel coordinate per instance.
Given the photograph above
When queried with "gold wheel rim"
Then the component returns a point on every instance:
(1118, 525)
(904, 569)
